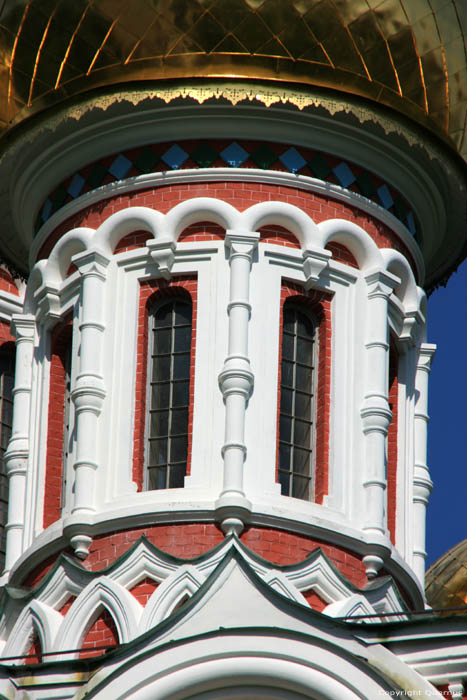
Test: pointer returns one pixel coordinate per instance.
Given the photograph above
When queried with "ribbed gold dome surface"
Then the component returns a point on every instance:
(407, 54)
(446, 579)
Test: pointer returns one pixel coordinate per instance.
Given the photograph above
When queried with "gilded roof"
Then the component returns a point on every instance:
(407, 54)
(446, 579)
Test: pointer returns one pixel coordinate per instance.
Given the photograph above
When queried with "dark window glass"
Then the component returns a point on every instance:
(7, 372)
(296, 403)
(167, 442)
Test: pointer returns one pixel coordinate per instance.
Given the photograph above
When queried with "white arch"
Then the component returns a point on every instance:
(36, 279)
(289, 670)
(355, 604)
(104, 592)
(40, 617)
(185, 581)
(127, 221)
(282, 214)
(355, 238)
(73, 242)
(398, 265)
(200, 209)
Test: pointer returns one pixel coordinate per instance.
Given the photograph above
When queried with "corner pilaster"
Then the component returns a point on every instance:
(88, 395)
(17, 454)
(376, 417)
(422, 484)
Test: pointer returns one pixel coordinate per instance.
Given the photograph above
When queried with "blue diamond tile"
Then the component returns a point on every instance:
(46, 210)
(76, 185)
(410, 223)
(175, 157)
(344, 174)
(292, 160)
(234, 155)
(120, 166)
(385, 196)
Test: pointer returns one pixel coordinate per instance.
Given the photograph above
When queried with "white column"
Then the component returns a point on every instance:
(236, 382)
(17, 454)
(422, 483)
(376, 416)
(88, 396)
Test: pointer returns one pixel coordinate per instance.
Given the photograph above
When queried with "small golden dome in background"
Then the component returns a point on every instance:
(446, 579)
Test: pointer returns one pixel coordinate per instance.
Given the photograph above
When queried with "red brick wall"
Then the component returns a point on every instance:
(320, 305)
(132, 241)
(314, 600)
(178, 285)
(144, 590)
(392, 442)
(7, 282)
(278, 235)
(240, 195)
(61, 340)
(102, 632)
(342, 254)
(202, 231)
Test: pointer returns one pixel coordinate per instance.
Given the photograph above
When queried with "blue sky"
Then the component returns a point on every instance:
(447, 431)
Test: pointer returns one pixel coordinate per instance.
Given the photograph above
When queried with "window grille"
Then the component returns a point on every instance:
(296, 429)
(167, 432)
(7, 372)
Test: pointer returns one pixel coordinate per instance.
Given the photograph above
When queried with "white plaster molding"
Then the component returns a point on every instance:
(283, 214)
(422, 484)
(271, 177)
(236, 381)
(142, 562)
(406, 290)
(36, 279)
(319, 576)
(17, 454)
(35, 616)
(279, 581)
(376, 416)
(71, 243)
(353, 237)
(186, 580)
(197, 209)
(88, 396)
(352, 606)
(103, 592)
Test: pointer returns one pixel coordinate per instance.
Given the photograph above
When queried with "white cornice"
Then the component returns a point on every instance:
(269, 177)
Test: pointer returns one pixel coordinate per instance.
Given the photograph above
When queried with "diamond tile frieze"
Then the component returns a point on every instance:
(210, 153)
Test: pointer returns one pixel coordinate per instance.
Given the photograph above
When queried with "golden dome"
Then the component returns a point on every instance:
(446, 579)
(406, 54)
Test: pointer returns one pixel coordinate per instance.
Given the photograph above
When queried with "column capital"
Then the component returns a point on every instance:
(426, 354)
(91, 262)
(381, 283)
(241, 242)
(23, 326)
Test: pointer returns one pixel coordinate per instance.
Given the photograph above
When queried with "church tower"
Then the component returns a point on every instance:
(220, 221)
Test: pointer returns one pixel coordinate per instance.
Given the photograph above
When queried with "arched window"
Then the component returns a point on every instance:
(296, 429)
(7, 379)
(169, 371)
